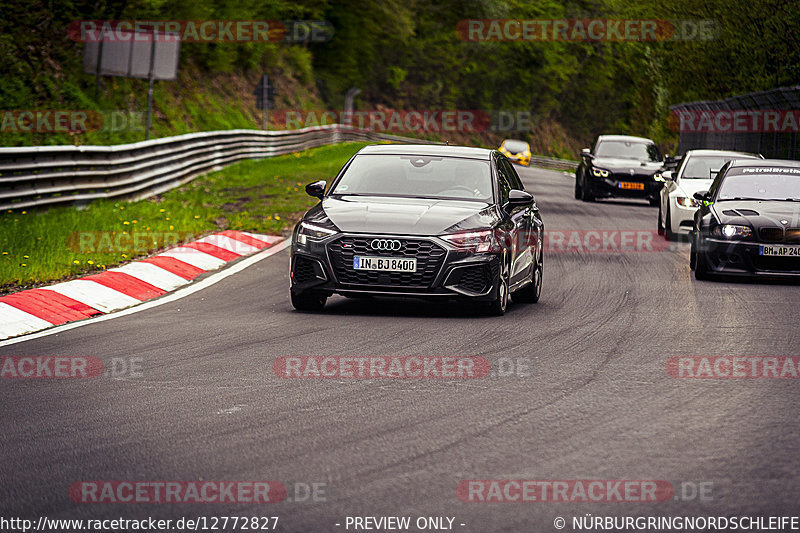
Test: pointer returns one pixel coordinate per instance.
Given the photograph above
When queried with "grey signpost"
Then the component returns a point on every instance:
(265, 98)
(144, 54)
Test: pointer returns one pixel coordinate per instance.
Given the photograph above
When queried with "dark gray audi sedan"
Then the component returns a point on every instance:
(427, 221)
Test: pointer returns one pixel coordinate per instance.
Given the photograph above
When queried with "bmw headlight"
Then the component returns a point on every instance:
(659, 177)
(732, 231)
(687, 202)
(600, 173)
(310, 232)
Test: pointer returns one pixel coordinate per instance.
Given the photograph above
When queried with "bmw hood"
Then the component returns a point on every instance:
(758, 214)
(617, 165)
(398, 216)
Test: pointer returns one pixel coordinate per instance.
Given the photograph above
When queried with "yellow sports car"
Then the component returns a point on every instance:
(517, 151)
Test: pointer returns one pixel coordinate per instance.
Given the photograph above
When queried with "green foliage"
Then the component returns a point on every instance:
(406, 54)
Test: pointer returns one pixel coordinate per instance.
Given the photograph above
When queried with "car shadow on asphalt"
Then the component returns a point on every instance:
(413, 308)
(627, 203)
(744, 280)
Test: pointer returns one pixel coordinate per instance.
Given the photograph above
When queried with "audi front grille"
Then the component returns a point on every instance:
(428, 254)
(476, 279)
(304, 269)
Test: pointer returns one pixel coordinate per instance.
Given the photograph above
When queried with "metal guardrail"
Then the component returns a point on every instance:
(51, 175)
(771, 144)
(553, 163)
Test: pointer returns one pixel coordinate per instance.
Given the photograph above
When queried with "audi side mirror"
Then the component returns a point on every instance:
(702, 196)
(586, 153)
(517, 198)
(316, 189)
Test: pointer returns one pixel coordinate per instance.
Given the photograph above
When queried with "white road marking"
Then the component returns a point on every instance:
(14, 321)
(195, 258)
(152, 274)
(94, 295)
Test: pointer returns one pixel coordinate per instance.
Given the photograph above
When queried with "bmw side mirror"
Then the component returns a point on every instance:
(702, 196)
(316, 189)
(517, 198)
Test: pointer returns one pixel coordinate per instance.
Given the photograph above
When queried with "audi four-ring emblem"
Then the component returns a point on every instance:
(385, 244)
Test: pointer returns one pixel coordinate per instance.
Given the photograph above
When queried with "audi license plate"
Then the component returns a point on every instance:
(631, 185)
(779, 251)
(385, 264)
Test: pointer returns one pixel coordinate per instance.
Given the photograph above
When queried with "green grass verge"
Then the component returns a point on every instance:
(265, 196)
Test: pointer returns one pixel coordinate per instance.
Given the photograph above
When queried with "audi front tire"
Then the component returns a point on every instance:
(497, 307)
(308, 301)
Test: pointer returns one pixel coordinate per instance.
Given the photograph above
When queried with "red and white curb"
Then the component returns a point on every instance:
(118, 288)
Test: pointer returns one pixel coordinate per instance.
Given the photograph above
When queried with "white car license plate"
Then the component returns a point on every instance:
(385, 264)
(780, 251)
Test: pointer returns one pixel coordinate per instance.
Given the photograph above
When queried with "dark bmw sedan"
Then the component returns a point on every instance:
(422, 221)
(620, 166)
(749, 221)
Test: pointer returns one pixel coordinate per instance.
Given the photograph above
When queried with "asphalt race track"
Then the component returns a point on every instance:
(588, 396)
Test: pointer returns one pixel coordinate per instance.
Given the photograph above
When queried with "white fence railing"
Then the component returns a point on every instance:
(49, 175)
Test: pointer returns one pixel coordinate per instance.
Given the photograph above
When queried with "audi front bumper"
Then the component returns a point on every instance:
(327, 267)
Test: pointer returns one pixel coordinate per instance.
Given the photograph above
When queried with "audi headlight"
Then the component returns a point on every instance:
(600, 173)
(473, 241)
(732, 231)
(310, 232)
(687, 202)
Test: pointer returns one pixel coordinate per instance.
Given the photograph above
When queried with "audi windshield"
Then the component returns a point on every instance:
(449, 178)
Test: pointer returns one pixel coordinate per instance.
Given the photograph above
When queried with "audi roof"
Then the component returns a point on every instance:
(435, 150)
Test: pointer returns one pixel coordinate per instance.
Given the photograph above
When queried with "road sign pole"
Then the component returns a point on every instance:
(150, 86)
(97, 70)
(264, 82)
